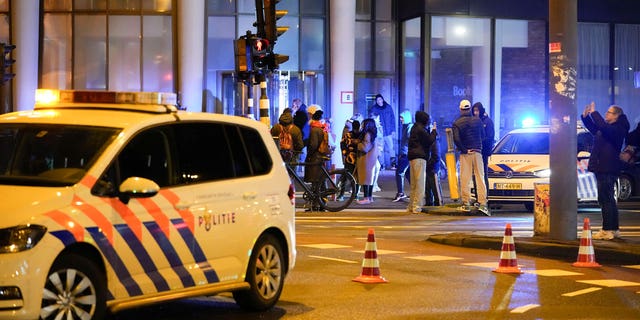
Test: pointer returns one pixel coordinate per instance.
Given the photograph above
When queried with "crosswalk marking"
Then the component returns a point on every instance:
(380, 252)
(525, 308)
(612, 283)
(580, 292)
(553, 273)
(434, 258)
(333, 259)
(324, 246)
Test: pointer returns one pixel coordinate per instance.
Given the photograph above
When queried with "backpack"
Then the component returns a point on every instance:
(324, 148)
(286, 141)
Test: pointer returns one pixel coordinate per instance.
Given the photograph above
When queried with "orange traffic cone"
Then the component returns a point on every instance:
(586, 255)
(370, 266)
(508, 261)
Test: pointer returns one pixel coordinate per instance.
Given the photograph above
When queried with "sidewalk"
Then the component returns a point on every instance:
(618, 251)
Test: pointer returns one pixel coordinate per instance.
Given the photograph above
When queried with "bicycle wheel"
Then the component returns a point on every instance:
(336, 196)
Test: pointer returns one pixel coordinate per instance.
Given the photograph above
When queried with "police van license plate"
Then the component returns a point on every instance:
(508, 186)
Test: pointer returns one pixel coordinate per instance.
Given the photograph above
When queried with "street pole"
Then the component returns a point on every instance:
(563, 44)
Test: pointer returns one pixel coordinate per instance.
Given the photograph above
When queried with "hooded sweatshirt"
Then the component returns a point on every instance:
(406, 130)
(286, 119)
(420, 140)
(387, 118)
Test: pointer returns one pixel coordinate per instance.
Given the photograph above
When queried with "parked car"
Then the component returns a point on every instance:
(521, 158)
(116, 200)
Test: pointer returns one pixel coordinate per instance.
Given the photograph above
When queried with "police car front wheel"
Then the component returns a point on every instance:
(74, 290)
(265, 274)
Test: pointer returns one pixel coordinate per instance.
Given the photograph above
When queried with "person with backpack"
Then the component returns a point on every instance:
(289, 136)
(317, 140)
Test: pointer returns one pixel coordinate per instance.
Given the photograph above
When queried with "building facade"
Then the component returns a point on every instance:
(419, 54)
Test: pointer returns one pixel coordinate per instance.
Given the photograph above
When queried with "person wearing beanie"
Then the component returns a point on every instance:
(420, 141)
(388, 122)
(402, 163)
(285, 122)
(489, 137)
(468, 133)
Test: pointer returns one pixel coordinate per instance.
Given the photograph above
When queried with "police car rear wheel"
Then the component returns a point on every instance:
(74, 290)
(265, 274)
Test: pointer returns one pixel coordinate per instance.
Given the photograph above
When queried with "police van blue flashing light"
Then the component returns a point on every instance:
(528, 122)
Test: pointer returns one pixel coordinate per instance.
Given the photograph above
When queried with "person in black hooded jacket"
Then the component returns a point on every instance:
(489, 137)
(420, 141)
(608, 135)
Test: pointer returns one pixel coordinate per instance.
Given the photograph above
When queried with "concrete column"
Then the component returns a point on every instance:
(191, 40)
(25, 35)
(563, 56)
(342, 43)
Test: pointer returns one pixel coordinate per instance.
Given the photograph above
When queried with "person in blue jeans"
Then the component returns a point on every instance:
(608, 135)
(402, 165)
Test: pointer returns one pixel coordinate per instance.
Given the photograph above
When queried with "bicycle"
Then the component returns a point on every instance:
(329, 194)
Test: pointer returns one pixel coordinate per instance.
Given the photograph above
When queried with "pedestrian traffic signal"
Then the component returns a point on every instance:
(260, 53)
(6, 62)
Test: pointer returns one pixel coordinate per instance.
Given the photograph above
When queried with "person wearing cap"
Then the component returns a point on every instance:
(468, 133)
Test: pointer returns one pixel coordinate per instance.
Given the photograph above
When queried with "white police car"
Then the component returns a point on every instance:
(521, 158)
(116, 200)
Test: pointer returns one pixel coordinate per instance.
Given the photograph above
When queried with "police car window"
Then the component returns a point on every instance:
(146, 156)
(203, 152)
(49, 155)
(257, 152)
(241, 162)
(532, 143)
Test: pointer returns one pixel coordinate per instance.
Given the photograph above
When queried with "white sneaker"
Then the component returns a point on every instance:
(616, 234)
(603, 235)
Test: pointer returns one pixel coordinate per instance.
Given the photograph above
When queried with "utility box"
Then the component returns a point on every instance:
(541, 209)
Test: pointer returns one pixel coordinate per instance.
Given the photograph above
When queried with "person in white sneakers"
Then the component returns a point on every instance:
(608, 135)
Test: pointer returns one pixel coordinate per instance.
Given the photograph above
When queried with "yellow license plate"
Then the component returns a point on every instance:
(508, 186)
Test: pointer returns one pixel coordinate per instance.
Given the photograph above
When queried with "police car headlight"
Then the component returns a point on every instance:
(20, 238)
(546, 173)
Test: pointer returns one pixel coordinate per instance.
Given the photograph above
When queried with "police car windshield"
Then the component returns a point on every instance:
(524, 143)
(49, 155)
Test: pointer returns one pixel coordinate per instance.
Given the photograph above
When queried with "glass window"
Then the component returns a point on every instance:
(312, 7)
(288, 44)
(4, 5)
(220, 54)
(411, 86)
(246, 6)
(4, 21)
(385, 47)
(291, 6)
(57, 5)
(363, 9)
(124, 5)
(627, 71)
(363, 44)
(219, 7)
(520, 78)
(124, 53)
(56, 57)
(157, 5)
(594, 75)
(99, 5)
(256, 151)
(460, 60)
(147, 156)
(198, 164)
(312, 44)
(157, 56)
(90, 52)
(383, 10)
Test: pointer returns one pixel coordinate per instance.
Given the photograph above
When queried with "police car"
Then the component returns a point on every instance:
(116, 200)
(521, 158)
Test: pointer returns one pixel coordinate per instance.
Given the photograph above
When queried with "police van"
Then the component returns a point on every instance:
(113, 200)
(521, 159)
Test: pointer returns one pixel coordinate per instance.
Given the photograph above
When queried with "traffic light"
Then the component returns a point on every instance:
(272, 31)
(243, 62)
(260, 53)
(6, 62)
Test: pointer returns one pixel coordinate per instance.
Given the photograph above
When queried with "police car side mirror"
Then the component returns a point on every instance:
(136, 187)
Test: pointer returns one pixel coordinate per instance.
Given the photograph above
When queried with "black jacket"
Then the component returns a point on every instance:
(607, 142)
(468, 132)
(420, 140)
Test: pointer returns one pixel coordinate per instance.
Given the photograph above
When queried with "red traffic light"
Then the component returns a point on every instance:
(260, 47)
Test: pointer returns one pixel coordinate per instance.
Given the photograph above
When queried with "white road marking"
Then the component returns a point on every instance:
(611, 283)
(524, 308)
(324, 246)
(333, 259)
(637, 266)
(492, 265)
(580, 292)
(434, 258)
(382, 251)
(553, 273)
